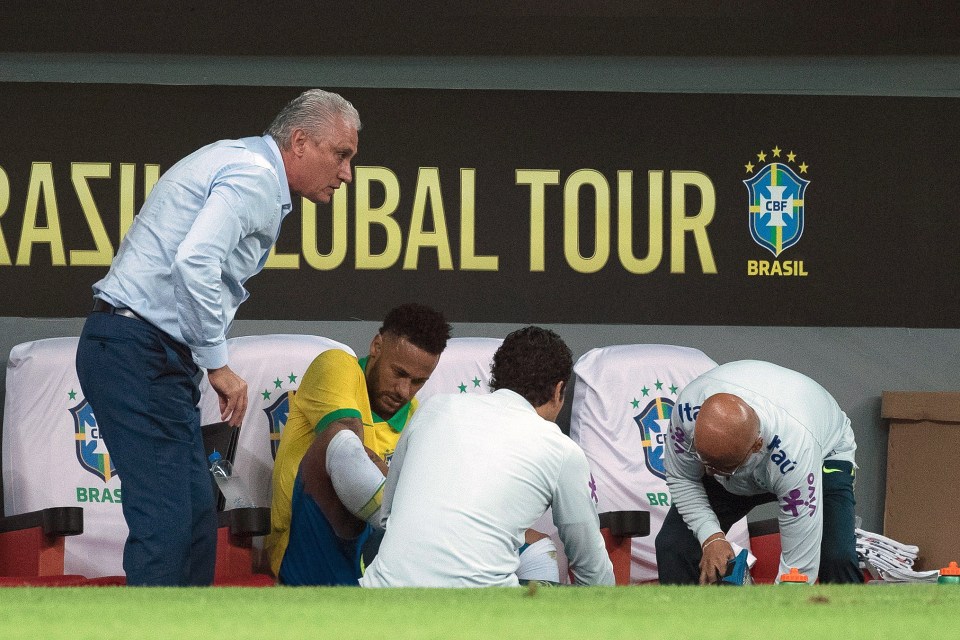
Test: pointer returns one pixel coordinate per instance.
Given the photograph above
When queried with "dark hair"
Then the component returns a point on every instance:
(422, 326)
(531, 361)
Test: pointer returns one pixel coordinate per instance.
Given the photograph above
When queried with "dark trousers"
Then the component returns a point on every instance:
(142, 387)
(679, 552)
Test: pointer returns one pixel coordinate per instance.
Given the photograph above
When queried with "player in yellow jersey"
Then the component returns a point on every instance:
(343, 425)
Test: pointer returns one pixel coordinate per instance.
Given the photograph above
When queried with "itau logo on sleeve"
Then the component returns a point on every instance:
(776, 208)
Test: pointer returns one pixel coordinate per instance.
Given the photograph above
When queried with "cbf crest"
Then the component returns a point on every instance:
(654, 422)
(278, 408)
(775, 201)
(277, 420)
(91, 452)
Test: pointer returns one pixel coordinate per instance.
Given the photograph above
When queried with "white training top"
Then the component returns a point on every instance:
(470, 474)
(801, 426)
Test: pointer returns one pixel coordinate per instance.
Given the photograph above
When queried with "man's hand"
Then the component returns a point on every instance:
(716, 553)
(232, 390)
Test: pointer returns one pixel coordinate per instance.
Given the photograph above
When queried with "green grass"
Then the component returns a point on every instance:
(669, 613)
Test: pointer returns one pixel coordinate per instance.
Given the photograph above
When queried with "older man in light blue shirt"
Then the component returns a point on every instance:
(162, 312)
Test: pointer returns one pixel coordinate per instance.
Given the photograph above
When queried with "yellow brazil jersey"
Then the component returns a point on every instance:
(333, 387)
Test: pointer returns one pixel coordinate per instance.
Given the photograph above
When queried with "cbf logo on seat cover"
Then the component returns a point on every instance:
(277, 420)
(91, 452)
(654, 422)
(776, 204)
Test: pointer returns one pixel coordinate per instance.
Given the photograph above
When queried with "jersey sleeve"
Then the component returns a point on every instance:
(329, 389)
(578, 526)
(684, 473)
(801, 514)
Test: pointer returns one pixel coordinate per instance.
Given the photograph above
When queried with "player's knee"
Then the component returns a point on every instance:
(538, 562)
(532, 535)
(660, 543)
(667, 542)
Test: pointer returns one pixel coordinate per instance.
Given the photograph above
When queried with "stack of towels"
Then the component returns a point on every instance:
(893, 560)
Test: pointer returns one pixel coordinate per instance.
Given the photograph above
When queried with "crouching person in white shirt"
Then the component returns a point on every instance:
(747, 433)
(472, 473)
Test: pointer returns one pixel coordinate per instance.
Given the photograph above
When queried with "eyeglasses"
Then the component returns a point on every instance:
(714, 471)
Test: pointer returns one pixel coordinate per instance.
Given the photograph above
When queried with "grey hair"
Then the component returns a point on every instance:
(313, 110)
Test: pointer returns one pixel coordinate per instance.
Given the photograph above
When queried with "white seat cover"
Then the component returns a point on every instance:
(53, 455)
(464, 367)
(272, 366)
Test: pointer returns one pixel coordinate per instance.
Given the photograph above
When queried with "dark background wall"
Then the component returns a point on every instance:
(858, 49)
(484, 28)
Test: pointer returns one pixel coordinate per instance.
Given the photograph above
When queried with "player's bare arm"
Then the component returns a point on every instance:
(318, 484)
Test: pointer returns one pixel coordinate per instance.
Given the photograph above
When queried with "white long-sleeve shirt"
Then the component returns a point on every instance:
(801, 426)
(204, 230)
(470, 474)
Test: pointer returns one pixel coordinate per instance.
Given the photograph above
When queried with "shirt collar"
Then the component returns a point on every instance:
(399, 419)
(515, 399)
(286, 203)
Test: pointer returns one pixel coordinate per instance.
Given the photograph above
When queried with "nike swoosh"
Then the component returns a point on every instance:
(825, 470)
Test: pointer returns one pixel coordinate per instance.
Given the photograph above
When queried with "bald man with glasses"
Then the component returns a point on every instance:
(747, 433)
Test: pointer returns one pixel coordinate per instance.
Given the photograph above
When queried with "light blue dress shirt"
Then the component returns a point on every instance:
(206, 227)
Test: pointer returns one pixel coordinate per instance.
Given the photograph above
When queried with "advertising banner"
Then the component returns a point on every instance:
(523, 206)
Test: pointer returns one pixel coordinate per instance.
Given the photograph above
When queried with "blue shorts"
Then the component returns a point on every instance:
(315, 555)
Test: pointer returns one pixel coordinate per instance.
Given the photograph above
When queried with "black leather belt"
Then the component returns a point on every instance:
(100, 306)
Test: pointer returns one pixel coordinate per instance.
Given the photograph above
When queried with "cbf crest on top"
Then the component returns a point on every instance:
(91, 453)
(654, 422)
(776, 203)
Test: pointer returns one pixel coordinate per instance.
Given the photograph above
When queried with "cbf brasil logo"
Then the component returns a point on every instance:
(91, 452)
(776, 197)
(654, 421)
(279, 407)
(277, 419)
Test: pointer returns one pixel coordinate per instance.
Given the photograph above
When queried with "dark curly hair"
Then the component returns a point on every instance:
(422, 326)
(531, 361)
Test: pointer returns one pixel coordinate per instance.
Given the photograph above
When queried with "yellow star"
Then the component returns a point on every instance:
(776, 152)
(748, 167)
(803, 167)
(791, 156)
(762, 156)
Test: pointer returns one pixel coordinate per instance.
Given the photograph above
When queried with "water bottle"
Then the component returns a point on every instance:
(794, 577)
(949, 574)
(232, 487)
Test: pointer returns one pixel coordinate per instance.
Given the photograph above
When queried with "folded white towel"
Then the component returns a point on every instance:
(894, 560)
